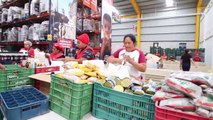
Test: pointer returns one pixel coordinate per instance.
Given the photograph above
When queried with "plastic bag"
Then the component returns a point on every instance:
(211, 114)
(24, 33)
(208, 91)
(72, 78)
(204, 102)
(75, 72)
(71, 65)
(198, 78)
(178, 103)
(160, 84)
(186, 87)
(167, 89)
(203, 112)
(160, 95)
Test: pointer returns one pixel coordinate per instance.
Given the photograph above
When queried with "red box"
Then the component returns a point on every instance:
(46, 69)
(165, 113)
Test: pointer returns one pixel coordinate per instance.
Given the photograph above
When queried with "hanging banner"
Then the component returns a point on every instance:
(106, 29)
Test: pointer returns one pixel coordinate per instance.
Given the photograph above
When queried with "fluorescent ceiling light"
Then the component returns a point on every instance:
(169, 3)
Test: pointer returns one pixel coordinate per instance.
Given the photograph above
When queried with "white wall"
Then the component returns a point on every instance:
(206, 33)
(168, 26)
(119, 30)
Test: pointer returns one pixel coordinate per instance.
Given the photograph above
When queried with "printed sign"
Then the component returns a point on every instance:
(65, 43)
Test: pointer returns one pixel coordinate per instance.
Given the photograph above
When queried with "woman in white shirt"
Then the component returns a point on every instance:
(130, 56)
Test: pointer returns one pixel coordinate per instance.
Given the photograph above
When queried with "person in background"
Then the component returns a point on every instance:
(106, 41)
(71, 52)
(84, 52)
(186, 60)
(2, 67)
(28, 48)
(57, 52)
(130, 56)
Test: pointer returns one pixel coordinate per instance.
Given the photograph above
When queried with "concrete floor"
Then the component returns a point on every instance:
(54, 116)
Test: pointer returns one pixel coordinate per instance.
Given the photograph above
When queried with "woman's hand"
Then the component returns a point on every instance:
(128, 59)
(114, 60)
(68, 59)
(110, 59)
(2, 66)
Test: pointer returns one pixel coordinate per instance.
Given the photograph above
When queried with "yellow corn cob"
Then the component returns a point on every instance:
(92, 74)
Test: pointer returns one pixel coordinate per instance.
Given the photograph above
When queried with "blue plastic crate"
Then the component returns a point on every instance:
(23, 103)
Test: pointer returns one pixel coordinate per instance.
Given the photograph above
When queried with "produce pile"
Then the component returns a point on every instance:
(130, 85)
(82, 73)
(90, 72)
(187, 91)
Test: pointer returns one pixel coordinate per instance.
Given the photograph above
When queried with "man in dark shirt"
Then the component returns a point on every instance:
(185, 61)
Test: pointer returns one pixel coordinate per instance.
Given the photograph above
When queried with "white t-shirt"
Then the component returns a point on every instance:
(137, 55)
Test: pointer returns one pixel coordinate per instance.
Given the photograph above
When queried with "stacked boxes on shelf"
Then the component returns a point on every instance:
(113, 105)
(14, 76)
(23, 103)
(69, 99)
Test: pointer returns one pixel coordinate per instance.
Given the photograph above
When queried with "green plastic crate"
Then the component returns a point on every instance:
(70, 115)
(113, 105)
(71, 89)
(14, 76)
(69, 99)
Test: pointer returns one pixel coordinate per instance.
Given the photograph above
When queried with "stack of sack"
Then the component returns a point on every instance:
(187, 91)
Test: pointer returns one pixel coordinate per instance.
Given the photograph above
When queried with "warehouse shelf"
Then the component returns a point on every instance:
(97, 32)
(19, 3)
(33, 19)
(91, 17)
(21, 43)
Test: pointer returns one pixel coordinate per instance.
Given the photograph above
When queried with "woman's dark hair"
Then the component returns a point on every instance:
(131, 36)
(186, 51)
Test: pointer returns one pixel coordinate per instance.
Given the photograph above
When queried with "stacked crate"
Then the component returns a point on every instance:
(14, 76)
(113, 105)
(69, 99)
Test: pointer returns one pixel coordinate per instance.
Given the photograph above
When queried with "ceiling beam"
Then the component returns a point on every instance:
(136, 6)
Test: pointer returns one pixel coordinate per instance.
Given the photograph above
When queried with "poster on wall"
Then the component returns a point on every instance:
(63, 19)
(106, 29)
